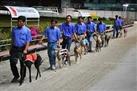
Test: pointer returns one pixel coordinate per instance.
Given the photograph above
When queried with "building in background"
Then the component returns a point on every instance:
(113, 5)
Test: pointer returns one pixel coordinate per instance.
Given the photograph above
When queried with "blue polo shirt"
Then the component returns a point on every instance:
(52, 33)
(116, 23)
(20, 36)
(101, 27)
(80, 28)
(68, 29)
(121, 22)
(91, 27)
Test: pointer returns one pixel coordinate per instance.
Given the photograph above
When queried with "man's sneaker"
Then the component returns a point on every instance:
(53, 67)
(15, 80)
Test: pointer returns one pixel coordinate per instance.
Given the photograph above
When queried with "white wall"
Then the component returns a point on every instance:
(128, 14)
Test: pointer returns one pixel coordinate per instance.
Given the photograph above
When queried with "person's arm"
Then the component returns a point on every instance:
(97, 30)
(29, 39)
(26, 47)
(62, 30)
(58, 37)
(105, 27)
(94, 27)
(12, 37)
(74, 32)
(76, 28)
(85, 32)
(43, 36)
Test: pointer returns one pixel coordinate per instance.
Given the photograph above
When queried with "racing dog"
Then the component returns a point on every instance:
(63, 57)
(79, 47)
(107, 39)
(102, 36)
(120, 33)
(98, 41)
(77, 51)
(125, 32)
(29, 59)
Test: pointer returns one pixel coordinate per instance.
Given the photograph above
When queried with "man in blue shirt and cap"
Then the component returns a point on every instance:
(90, 30)
(68, 31)
(21, 37)
(53, 35)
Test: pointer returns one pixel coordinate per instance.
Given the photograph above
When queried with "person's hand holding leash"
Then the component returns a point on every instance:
(25, 51)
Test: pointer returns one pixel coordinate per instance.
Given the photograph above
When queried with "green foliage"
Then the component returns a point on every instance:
(5, 33)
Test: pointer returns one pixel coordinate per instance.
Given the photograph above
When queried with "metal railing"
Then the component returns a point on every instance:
(5, 44)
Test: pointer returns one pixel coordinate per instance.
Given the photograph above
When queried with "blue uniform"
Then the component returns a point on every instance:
(68, 29)
(53, 35)
(116, 27)
(90, 31)
(116, 23)
(20, 36)
(91, 27)
(101, 27)
(80, 28)
(121, 22)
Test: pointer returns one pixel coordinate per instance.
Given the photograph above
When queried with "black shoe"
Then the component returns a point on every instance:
(15, 80)
(49, 68)
(90, 51)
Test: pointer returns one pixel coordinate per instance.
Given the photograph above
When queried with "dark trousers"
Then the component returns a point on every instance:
(89, 35)
(16, 54)
(115, 32)
(66, 43)
(51, 53)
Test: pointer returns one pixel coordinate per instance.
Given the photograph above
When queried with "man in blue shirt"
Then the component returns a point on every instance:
(90, 30)
(53, 35)
(68, 31)
(80, 28)
(116, 27)
(121, 23)
(101, 27)
(21, 37)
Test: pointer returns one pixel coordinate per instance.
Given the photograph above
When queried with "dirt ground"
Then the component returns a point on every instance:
(81, 76)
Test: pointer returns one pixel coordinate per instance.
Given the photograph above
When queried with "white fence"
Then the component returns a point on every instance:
(101, 13)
